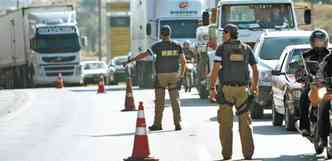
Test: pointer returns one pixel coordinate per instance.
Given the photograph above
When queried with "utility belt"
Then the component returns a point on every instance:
(244, 107)
(231, 83)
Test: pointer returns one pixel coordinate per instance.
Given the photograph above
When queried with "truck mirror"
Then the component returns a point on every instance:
(148, 29)
(32, 43)
(206, 18)
(307, 16)
(84, 41)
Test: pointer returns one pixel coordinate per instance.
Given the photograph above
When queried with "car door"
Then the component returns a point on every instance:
(278, 83)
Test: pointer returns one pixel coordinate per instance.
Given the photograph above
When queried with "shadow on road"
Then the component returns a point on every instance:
(286, 158)
(192, 102)
(271, 130)
(267, 117)
(127, 134)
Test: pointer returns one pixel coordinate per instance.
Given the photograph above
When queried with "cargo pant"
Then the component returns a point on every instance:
(166, 80)
(235, 95)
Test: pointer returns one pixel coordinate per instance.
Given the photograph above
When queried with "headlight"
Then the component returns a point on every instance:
(265, 77)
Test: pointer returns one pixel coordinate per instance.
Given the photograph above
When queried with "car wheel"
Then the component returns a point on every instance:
(257, 111)
(289, 118)
(277, 118)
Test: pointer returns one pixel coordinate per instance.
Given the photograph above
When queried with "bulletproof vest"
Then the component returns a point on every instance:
(167, 59)
(235, 63)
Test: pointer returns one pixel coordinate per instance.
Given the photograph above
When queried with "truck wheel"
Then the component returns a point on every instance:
(203, 92)
(277, 118)
(257, 111)
(289, 118)
(329, 152)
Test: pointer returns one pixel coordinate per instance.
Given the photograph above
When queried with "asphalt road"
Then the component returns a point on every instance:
(76, 124)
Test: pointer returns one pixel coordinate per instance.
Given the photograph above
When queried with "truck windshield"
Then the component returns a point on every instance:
(273, 47)
(258, 16)
(60, 43)
(181, 28)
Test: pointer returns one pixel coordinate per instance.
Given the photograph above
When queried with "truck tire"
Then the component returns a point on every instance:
(277, 118)
(257, 111)
(289, 118)
(203, 92)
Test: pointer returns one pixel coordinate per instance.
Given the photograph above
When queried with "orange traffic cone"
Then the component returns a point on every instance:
(141, 149)
(101, 85)
(129, 100)
(59, 83)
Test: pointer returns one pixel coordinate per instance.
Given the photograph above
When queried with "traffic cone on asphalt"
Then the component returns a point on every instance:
(141, 149)
(101, 85)
(129, 100)
(59, 83)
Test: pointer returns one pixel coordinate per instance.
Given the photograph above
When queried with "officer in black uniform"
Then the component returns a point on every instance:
(324, 106)
(319, 40)
(167, 55)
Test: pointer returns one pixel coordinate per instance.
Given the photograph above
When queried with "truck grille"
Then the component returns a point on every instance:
(58, 59)
(56, 74)
(59, 68)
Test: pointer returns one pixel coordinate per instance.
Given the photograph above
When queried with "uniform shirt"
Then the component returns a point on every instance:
(166, 55)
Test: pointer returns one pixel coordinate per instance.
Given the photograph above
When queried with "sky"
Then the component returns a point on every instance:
(4, 4)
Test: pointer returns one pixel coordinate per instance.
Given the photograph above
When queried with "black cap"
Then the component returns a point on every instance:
(232, 29)
(165, 30)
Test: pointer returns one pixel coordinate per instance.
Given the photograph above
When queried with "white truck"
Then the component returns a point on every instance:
(37, 43)
(253, 17)
(147, 16)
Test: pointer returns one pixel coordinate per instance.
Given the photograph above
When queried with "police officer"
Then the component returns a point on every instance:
(168, 55)
(231, 63)
(324, 106)
(319, 40)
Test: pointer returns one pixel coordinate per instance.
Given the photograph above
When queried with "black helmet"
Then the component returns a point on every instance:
(319, 34)
(232, 29)
(165, 30)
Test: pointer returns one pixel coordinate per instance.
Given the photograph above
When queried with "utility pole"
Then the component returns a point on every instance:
(100, 40)
(17, 4)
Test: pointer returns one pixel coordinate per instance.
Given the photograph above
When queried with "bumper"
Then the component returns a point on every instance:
(265, 96)
(51, 80)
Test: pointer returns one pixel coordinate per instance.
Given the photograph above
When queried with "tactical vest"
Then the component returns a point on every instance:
(235, 63)
(167, 57)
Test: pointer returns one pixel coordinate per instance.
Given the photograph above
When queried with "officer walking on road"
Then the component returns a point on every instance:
(231, 63)
(167, 55)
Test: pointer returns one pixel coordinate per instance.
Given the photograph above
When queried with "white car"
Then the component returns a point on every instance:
(267, 53)
(93, 70)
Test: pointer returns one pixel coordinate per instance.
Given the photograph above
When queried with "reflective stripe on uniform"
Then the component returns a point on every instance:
(140, 131)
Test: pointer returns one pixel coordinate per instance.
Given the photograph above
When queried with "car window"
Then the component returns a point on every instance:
(119, 61)
(295, 61)
(90, 66)
(273, 47)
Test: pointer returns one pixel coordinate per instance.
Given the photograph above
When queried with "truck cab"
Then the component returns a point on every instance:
(254, 16)
(55, 46)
